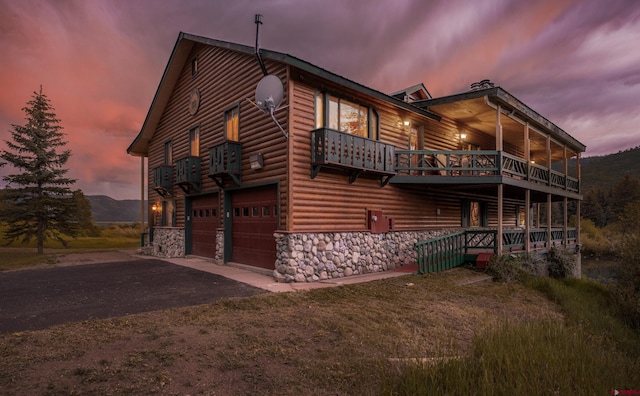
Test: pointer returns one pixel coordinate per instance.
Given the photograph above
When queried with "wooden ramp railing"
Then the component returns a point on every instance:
(451, 250)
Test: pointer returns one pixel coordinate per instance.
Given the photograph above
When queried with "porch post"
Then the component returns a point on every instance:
(527, 221)
(548, 221)
(566, 223)
(500, 204)
(142, 185)
(498, 129)
(500, 186)
(578, 239)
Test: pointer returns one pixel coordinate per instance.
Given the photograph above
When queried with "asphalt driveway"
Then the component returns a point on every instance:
(39, 298)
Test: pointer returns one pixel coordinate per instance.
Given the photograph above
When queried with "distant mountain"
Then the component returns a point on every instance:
(605, 171)
(108, 210)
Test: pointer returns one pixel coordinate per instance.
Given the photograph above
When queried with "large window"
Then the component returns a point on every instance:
(194, 142)
(231, 118)
(346, 116)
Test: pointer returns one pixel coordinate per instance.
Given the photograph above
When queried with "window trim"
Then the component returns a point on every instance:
(194, 66)
(169, 144)
(465, 215)
(193, 129)
(229, 110)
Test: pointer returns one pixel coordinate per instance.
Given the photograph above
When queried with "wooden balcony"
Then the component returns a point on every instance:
(355, 154)
(163, 180)
(477, 167)
(188, 174)
(225, 159)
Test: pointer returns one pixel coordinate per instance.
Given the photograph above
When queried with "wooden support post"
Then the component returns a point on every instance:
(549, 158)
(548, 221)
(565, 227)
(527, 221)
(500, 225)
(142, 188)
(499, 144)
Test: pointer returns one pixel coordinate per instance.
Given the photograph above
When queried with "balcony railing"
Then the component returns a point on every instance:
(447, 163)
(225, 159)
(188, 176)
(514, 239)
(354, 153)
(163, 179)
(479, 163)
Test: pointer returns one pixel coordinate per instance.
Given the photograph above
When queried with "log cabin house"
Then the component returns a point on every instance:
(357, 181)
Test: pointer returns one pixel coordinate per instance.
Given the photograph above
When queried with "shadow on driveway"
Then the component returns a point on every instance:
(39, 298)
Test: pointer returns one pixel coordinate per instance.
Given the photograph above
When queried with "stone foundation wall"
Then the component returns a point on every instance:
(219, 246)
(168, 242)
(309, 257)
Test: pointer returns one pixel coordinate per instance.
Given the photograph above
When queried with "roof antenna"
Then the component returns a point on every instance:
(258, 21)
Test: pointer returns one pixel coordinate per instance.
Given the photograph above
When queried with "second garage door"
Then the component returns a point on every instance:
(255, 219)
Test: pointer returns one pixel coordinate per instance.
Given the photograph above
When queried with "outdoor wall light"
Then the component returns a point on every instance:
(257, 161)
(406, 123)
(463, 136)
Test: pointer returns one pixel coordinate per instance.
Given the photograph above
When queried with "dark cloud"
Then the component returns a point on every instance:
(574, 61)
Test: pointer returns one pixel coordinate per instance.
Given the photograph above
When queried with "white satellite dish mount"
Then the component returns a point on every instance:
(269, 91)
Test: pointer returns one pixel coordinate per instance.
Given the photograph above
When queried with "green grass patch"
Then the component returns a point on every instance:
(590, 352)
(13, 259)
(17, 255)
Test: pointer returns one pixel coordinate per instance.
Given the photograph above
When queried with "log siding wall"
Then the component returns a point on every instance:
(225, 78)
(329, 203)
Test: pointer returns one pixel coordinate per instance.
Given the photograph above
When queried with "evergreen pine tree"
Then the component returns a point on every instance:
(37, 201)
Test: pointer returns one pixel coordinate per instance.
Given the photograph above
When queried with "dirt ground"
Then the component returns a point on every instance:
(327, 341)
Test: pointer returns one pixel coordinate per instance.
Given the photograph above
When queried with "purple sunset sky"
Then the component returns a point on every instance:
(100, 62)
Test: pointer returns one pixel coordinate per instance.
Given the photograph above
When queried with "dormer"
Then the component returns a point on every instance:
(411, 94)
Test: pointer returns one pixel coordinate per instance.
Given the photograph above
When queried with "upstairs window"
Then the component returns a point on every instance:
(194, 66)
(231, 121)
(346, 116)
(194, 142)
(168, 153)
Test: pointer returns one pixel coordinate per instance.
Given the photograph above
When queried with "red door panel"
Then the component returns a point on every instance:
(255, 219)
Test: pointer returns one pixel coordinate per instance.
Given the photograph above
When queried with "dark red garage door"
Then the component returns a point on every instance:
(255, 218)
(204, 221)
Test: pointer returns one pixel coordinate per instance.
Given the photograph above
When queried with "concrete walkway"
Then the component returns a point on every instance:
(262, 279)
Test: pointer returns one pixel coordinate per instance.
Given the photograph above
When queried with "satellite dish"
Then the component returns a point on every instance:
(269, 93)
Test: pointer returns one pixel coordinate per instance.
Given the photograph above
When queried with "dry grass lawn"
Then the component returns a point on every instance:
(326, 341)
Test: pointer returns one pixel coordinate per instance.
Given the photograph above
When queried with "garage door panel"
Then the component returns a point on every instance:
(253, 226)
(204, 223)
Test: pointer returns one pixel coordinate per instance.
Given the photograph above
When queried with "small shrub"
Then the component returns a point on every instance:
(515, 268)
(561, 262)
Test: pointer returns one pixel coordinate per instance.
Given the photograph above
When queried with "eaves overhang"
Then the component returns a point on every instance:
(513, 106)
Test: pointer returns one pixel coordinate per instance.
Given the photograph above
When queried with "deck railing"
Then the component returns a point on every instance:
(163, 176)
(225, 158)
(478, 163)
(188, 174)
(344, 150)
(451, 250)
